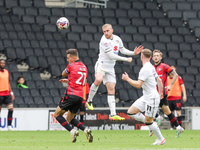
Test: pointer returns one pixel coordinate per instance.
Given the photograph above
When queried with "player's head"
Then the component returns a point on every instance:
(157, 56)
(72, 55)
(146, 54)
(20, 80)
(2, 63)
(107, 30)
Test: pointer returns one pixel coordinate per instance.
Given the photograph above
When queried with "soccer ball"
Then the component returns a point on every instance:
(62, 23)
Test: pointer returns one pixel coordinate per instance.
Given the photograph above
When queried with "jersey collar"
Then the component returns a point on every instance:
(158, 64)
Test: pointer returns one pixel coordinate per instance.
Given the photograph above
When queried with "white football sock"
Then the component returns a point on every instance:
(139, 116)
(93, 90)
(154, 127)
(111, 103)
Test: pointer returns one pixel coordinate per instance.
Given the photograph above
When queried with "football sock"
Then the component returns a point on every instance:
(139, 117)
(154, 127)
(10, 113)
(93, 90)
(111, 103)
(77, 123)
(173, 119)
(64, 123)
(179, 120)
(81, 118)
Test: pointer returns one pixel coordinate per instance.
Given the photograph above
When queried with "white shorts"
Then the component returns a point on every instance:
(107, 71)
(150, 106)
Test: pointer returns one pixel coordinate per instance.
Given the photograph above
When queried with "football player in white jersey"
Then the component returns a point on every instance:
(109, 46)
(149, 102)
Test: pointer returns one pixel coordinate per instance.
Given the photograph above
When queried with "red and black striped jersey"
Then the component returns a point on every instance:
(77, 75)
(163, 70)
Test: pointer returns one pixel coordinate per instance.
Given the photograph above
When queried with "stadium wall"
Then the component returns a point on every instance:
(32, 119)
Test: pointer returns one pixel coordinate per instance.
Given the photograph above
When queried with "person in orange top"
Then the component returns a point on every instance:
(86, 90)
(175, 94)
(6, 94)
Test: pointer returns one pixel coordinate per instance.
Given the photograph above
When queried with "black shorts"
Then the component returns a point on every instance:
(5, 100)
(82, 109)
(71, 103)
(175, 105)
(164, 101)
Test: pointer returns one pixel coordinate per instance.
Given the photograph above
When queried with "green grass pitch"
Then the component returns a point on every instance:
(109, 140)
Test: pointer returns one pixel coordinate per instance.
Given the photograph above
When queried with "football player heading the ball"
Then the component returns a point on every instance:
(109, 47)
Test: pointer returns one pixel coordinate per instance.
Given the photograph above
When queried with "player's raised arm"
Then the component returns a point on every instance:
(117, 57)
(134, 83)
(175, 76)
(136, 51)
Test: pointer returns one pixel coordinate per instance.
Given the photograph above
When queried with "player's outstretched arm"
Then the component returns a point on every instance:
(136, 51)
(117, 57)
(63, 80)
(160, 87)
(134, 83)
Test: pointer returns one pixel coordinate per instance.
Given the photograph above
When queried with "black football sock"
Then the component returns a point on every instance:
(64, 123)
(81, 118)
(10, 113)
(179, 120)
(173, 119)
(77, 123)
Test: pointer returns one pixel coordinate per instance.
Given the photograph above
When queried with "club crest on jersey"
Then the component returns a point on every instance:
(117, 41)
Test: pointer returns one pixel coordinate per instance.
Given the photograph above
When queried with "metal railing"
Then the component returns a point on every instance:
(74, 3)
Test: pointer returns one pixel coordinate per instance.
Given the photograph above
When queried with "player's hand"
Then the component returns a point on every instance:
(125, 76)
(13, 97)
(129, 59)
(64, 80)
(161, 95)
(138, 50)
(169, 87)
(184, 98)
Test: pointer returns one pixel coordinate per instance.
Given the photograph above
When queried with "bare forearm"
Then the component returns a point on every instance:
(160, 85)
(134, 83)
(184, 90)
(175, 76)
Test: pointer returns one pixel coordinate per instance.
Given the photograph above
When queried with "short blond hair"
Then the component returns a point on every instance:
(106, 25)
(157, 51)
(147, 53)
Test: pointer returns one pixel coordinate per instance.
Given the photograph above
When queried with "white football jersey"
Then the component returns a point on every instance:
(107, 45)
(148, 75)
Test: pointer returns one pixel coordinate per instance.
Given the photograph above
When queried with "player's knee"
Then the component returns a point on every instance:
(97, 82)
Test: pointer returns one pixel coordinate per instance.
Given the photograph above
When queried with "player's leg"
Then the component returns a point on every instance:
(70, 117)
(151, 107)
(9, 104)
(0, 112)
(135, 110)
(155, 129)
(178, 111)
(82, 112)
(93, 89)
(172, 108)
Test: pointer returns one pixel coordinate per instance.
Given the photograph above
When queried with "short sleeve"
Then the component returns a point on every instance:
(143, 75)
(168, 68)
(106, 46)
(180, 80)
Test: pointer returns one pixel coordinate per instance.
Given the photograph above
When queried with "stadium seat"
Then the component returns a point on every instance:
(138, 5)
(190, 38)
(132, 13)
(123, 95)
(30, 84)
(44, 92)
(137, 21)
(188, 77)
(50, 28)
(42, 62)
(25, 92)
(41, 20)
(40, 83)
(192, 70)
(157, 30)
(27, 75)
(168, 6)
(183, 62)
(187, 54)
(132, 94)
(29, 52)
(138, 37)
(36, 76)
(160, 45)
(38, 100)
(55, 70)
(11, 3)
(10, 53)
(158, 14)
(35, 92)
(44, 11)
(28, 19)
(151, 38)
(39, 3)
